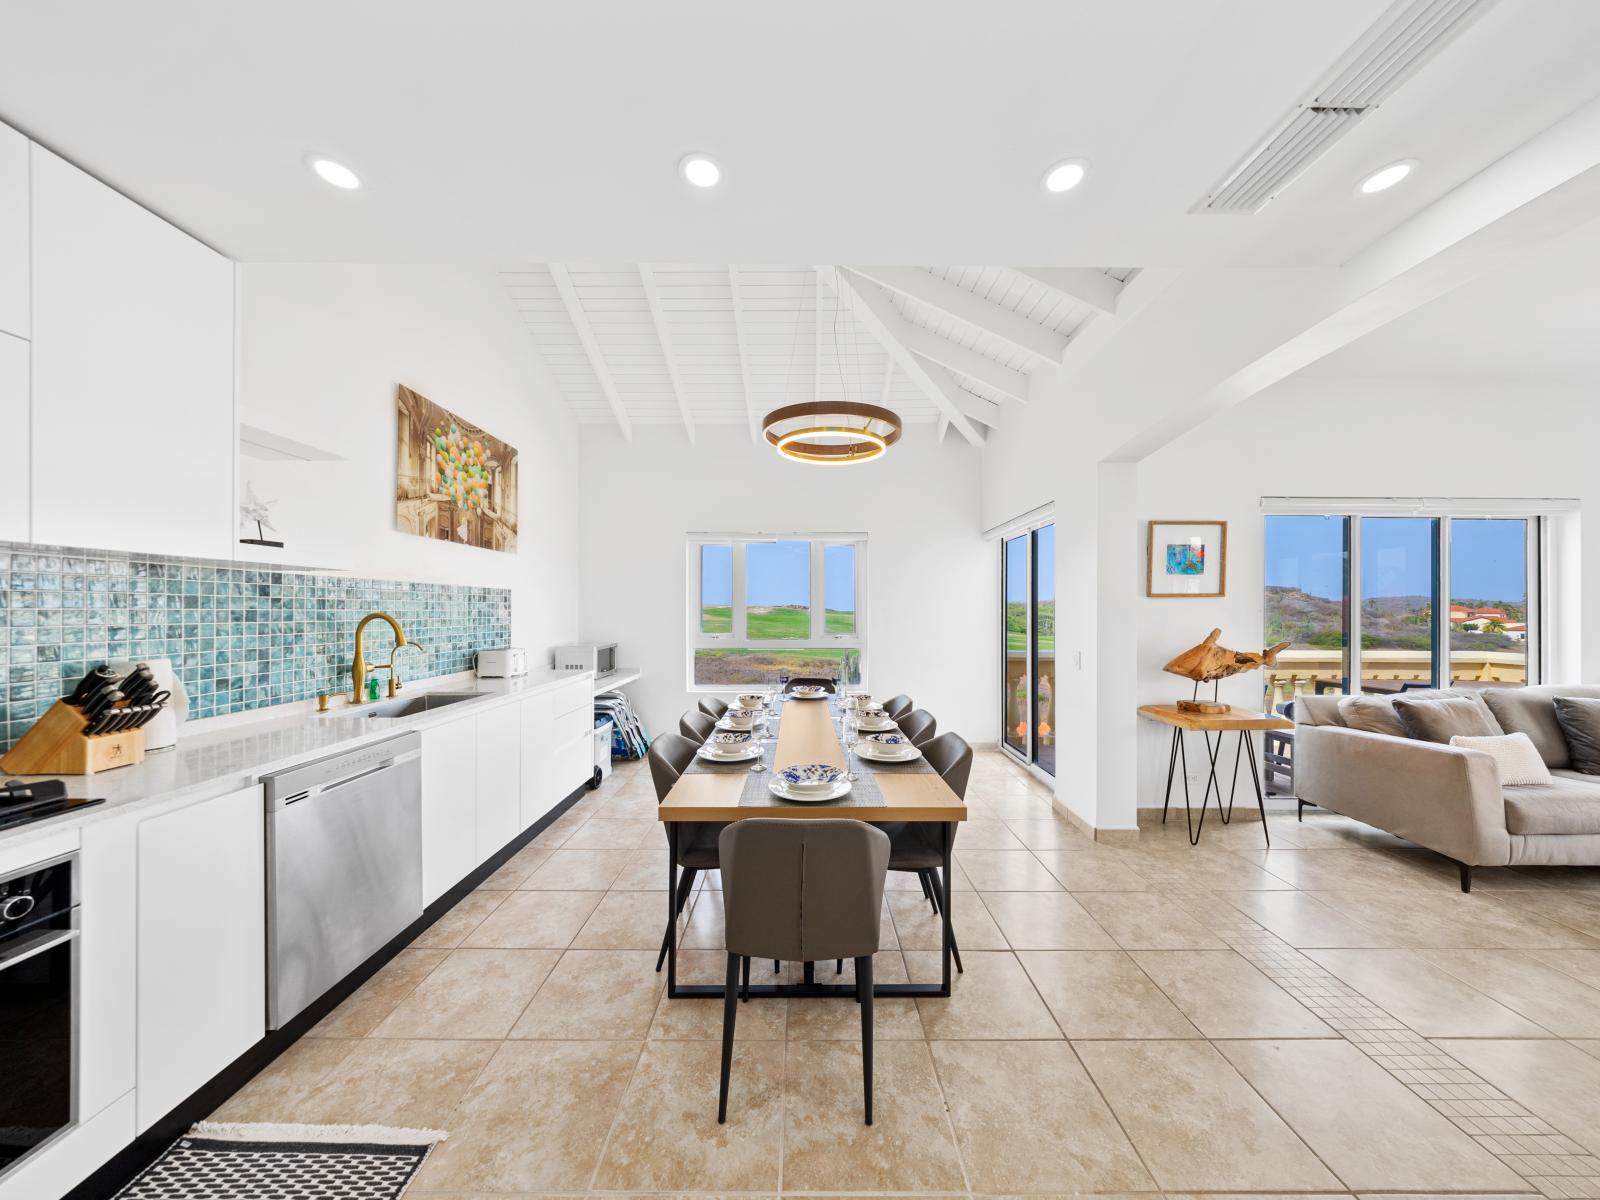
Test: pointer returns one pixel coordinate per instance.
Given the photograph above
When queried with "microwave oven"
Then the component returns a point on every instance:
(599, 657)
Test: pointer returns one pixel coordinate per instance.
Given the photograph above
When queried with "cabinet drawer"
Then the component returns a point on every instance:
(571, 725)
(567, 697)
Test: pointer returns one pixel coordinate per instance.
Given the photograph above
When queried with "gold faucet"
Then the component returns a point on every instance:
(359, 668)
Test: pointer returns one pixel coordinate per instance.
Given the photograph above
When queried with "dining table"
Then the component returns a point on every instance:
(886, 794)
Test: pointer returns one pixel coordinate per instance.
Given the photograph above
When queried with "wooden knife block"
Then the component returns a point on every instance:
(57, 745)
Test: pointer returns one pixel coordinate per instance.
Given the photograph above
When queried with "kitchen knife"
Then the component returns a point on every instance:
(97, 723)
(141, 681)
(103, 698)
(89, 684)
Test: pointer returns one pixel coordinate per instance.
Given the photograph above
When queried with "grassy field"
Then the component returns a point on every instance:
(788, 622)
(743, 668)
(1017, 627)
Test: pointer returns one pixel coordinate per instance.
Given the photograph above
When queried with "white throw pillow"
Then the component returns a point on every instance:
(1515, 755)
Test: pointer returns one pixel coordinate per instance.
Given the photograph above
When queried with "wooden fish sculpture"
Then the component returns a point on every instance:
(1208, 662)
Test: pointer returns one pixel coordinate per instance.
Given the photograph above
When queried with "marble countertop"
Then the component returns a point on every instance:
(223, 760)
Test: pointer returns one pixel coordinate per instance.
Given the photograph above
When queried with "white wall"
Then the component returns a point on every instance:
(932, 581)
(321, 351)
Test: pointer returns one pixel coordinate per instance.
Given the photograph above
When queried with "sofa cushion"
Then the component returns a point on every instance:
(1439, 720)
(1513, 753)
(1372, 714)
(1580, 722)
(1564, 805)
(1532, 711)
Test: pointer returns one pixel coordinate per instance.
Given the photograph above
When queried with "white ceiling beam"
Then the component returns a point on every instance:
(744, 355)
(652, 295)
(1093, 287)
(888, 383)
(964, 361)
(944, 428)
(970, 309)
(816, 342)
(591, 347)
(876, 311)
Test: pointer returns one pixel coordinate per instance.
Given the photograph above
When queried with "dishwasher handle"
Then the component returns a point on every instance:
(283, 788)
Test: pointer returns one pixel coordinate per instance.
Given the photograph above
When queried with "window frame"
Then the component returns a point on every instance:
(737, 638)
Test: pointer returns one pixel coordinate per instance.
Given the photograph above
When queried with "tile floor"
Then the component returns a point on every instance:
(1331, 1016)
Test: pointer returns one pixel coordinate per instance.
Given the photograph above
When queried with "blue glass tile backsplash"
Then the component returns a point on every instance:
(240, 636)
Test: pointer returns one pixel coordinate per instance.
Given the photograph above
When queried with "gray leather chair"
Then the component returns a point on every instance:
(696, 726)
(918, 725)
(713, 707)
(898, 706)
(670, 755)
(913, 847)
(801, 890)
(827, 685)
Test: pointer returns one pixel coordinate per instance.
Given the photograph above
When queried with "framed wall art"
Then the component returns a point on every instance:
(1187, 559)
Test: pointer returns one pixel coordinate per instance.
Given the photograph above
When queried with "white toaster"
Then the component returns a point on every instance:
(503, 662)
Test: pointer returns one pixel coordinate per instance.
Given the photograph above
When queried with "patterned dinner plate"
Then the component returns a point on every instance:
(872, 724)
(840, 787)
(888, 747)
(744, 752)
(801, 778)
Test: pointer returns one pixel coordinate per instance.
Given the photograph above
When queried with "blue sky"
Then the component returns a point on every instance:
(1017, 565)
(779, 573)
(1488, 558)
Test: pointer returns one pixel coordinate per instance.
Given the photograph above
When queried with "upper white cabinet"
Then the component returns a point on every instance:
(132, 406)
(13, 232)
(14, 421)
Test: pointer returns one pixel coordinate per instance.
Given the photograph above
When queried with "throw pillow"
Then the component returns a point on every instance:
(1441, 720)
(1372, 714)
(1514, 753)
(1580, 721)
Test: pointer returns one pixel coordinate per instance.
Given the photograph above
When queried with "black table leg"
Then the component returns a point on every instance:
(1172, 762)
(944, 906)
(672, 909)
(1255, 775)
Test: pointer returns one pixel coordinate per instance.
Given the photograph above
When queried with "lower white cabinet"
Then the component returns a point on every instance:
(108, 859)
(449, 805)
(499, 778)
(201, 945)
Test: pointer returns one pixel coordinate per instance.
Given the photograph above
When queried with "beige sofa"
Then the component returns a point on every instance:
(1451, 800)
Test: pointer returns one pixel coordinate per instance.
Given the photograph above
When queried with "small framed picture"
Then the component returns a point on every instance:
(1187, 558)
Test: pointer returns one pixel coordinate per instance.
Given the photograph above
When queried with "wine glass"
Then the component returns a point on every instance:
(760, 765)
(783, 681)
(850, 739)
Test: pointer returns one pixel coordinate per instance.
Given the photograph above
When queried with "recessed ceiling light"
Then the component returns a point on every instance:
(339, 175)
(1384, 179)
(1064, 176)
(700, 170)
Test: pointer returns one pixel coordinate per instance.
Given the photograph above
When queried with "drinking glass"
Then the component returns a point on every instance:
(760, 763)
(850, 739)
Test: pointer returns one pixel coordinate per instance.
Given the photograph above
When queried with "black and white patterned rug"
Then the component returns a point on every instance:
(285, 1162)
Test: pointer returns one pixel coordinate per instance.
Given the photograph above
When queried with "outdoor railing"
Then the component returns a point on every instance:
(1301, 671)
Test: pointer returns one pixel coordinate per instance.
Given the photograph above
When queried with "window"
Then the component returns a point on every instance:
(1443, 599)
(1028, 622)
(769, 607)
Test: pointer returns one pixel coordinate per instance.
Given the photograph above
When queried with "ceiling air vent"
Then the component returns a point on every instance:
(1407, 36)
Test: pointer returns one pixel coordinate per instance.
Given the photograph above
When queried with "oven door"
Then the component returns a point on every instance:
(36, 1028)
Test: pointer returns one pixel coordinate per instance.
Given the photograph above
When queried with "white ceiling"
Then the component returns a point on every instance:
(898, 131)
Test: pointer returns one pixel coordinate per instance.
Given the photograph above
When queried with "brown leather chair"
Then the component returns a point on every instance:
(898, 706)
(827, 685)
(801, 890)
(913, 847)
(696, 726)
(918, 725)
(670, 755)
(713, 707)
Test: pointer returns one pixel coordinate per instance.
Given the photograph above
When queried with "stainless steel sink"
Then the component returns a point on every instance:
(408, 706)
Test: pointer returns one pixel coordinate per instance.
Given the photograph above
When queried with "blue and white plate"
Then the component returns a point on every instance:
(745, 750)
(730, 737)
(887, 747)
(741, 718)
(873, 722)
(839, 787)
(808, 691)
(809, 777)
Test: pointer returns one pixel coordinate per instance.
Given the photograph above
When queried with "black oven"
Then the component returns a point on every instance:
(38, 959)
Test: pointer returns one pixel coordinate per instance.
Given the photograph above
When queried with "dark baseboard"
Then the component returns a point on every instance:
(120, 1170)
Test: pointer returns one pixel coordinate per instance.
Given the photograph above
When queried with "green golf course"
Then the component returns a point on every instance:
(787, 622)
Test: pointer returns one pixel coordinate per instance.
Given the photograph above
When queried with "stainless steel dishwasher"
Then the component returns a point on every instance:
(344, 866)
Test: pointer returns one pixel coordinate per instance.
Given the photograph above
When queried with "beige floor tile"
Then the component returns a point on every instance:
(1009, 805)
(699, 1019)
(916, 928)
(535, 920)
(1027, 1118)
(472, 994)
(450, 930)
(1588, 1046)
(992, 1000)
(620, 834)
(636, 804)
(839, 1020)
(1149, 921)
(1198, 1125)
(1103, 994)
(1227, 997)
(606, 994)
(1337, 870)
(1188, 867)
(1091, 871)
(516, 869)
(1044, 921)
(574, 870)
(558, 831)
(1443, 918)
(1524, 984)
(413, 1084)
(826, 1144)
(1427, 998)
(1583, 965)
(1367, 1126)
(1048, 833)
(625, 921)
(646, 870)
(535, 1121)
(1557, 1081)
(274, 1095)
(703, 927)
(379, 996)
(987, 833)
(1303, 920)
(1005, 871)
(666, 1136)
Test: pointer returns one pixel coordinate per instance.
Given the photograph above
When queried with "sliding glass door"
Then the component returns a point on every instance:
(1028, 603)
(1016, 694)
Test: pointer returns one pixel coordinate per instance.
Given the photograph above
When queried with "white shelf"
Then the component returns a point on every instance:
(620, 678)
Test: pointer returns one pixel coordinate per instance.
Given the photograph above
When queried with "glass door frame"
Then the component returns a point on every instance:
(1027, 756)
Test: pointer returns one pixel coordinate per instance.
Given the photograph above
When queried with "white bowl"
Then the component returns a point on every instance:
(810, 777)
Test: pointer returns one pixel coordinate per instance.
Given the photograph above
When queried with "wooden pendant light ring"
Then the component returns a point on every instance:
(799, 444)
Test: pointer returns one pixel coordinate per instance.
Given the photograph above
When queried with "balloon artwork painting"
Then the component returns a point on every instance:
(454, 481)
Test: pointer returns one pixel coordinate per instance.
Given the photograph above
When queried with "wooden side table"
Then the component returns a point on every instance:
(1241, 722)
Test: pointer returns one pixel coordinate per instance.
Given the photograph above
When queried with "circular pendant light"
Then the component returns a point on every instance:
(832, 433)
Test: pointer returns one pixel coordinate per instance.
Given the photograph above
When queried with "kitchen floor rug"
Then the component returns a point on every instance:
(285, 1162)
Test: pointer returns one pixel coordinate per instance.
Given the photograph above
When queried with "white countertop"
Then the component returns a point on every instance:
(223, 760)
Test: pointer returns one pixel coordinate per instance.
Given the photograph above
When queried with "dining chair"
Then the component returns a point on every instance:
(918, 725)
(713, 707)
(898, 706)
(912, 847)
(670, 755)
(827, 685)
(801, 890)
(696, 725)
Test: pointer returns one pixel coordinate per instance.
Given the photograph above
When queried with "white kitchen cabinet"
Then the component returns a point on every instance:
(14, 423)
(108, 893)
(133, 438)
(13, 233)
(499, 782)
(449, 805)
(536, 748)
(201, 945)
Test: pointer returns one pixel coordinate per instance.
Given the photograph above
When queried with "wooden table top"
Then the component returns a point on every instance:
(1228, 722)
(807, 735)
